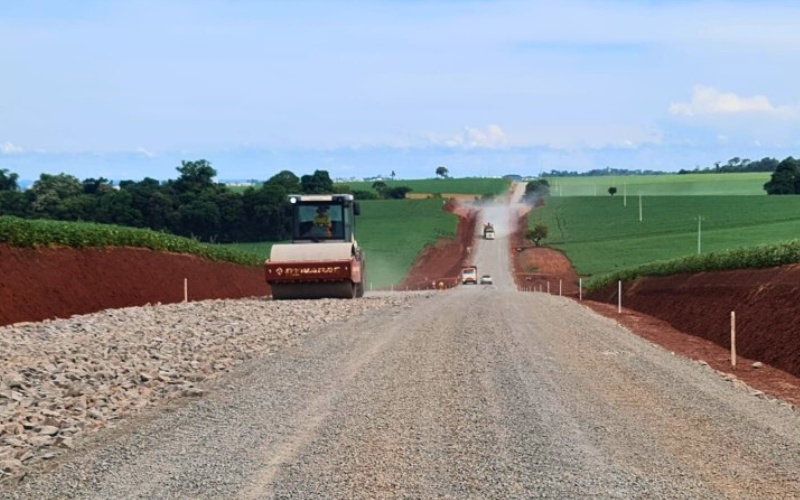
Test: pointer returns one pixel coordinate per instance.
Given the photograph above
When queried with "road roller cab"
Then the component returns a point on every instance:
(323, 260)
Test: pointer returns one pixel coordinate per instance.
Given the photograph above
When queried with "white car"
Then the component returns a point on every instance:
(489, 235)
(486, 279)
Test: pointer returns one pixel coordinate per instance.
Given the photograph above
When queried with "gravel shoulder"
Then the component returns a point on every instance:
(62, 381)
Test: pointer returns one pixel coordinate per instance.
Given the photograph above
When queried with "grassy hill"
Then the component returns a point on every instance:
(662, 185)
(599, 235)
(392, 233)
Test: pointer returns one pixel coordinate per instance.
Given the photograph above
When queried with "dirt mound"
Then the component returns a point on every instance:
(534, 267)
(765, 300)
(45, 283)
(442, 262)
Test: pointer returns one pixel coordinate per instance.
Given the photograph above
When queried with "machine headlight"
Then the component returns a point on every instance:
(292, 200)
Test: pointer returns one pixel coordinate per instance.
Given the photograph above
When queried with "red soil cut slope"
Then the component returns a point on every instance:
(766, 301)
(442, 262)
(767, 379)
(536, 266)
(37, 284)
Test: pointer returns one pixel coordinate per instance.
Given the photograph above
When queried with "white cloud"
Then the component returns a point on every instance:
(493, 138)
(9, 148)
(710, 101)
(146, 153)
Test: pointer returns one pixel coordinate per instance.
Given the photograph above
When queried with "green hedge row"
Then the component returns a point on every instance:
(757, 257)
(34, 233)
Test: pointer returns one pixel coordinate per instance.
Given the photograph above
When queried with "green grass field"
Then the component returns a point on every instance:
(599, 235)
(477, 186)
(392, 233)
(662, 185)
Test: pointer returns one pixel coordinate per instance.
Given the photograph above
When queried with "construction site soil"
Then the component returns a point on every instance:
(440, 264)
(535, 267)
(47, 283)
(765, 301)
(767, 379)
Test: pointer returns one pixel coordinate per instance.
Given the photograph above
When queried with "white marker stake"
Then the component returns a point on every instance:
(186, 289)
(580, 288)
(559, 288)
(733, 339)
(619, 297)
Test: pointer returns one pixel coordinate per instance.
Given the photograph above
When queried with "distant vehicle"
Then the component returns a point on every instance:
(488, 231)
(486, 279)
(469, 274)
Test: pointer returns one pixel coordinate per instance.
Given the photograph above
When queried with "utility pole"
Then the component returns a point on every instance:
(699, 234)
(640, 207)
(625, 194)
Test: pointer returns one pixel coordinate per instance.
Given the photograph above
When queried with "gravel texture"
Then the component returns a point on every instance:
(60, 380)
(478, 392)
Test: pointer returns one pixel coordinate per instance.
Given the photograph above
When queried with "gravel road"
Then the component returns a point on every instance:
(478, 392)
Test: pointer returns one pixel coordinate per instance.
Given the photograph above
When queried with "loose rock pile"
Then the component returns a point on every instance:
(61, 379)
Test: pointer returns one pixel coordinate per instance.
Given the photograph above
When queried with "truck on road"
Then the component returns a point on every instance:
(469, 274)
(488, 231)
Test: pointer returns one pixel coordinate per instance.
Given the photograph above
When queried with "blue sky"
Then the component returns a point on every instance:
(126, 89)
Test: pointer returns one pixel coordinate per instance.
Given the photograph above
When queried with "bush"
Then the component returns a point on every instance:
(47, 233)
(364, 195)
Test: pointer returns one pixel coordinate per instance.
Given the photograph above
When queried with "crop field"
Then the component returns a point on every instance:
(476, 186)
(750, 183)
(600, 235)
(33, 233)
(392, 233)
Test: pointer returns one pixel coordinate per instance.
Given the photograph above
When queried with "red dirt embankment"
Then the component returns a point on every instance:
(534, 267)
(37, 284)
(442, 261)
(765, 300)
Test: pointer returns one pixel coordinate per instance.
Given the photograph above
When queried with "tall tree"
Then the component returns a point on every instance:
(318, 183)
(287, 180)
(50, 190)
(8, 180)
(96, 186)
(195, 176)
(442, 172)
(785, 178)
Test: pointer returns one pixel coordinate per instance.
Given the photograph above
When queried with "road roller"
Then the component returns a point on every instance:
(324, 259)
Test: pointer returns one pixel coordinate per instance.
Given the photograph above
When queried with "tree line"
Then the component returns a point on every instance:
(192, 205)
(734, 165)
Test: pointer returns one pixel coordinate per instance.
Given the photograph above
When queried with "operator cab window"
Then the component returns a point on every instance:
(319, 221)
